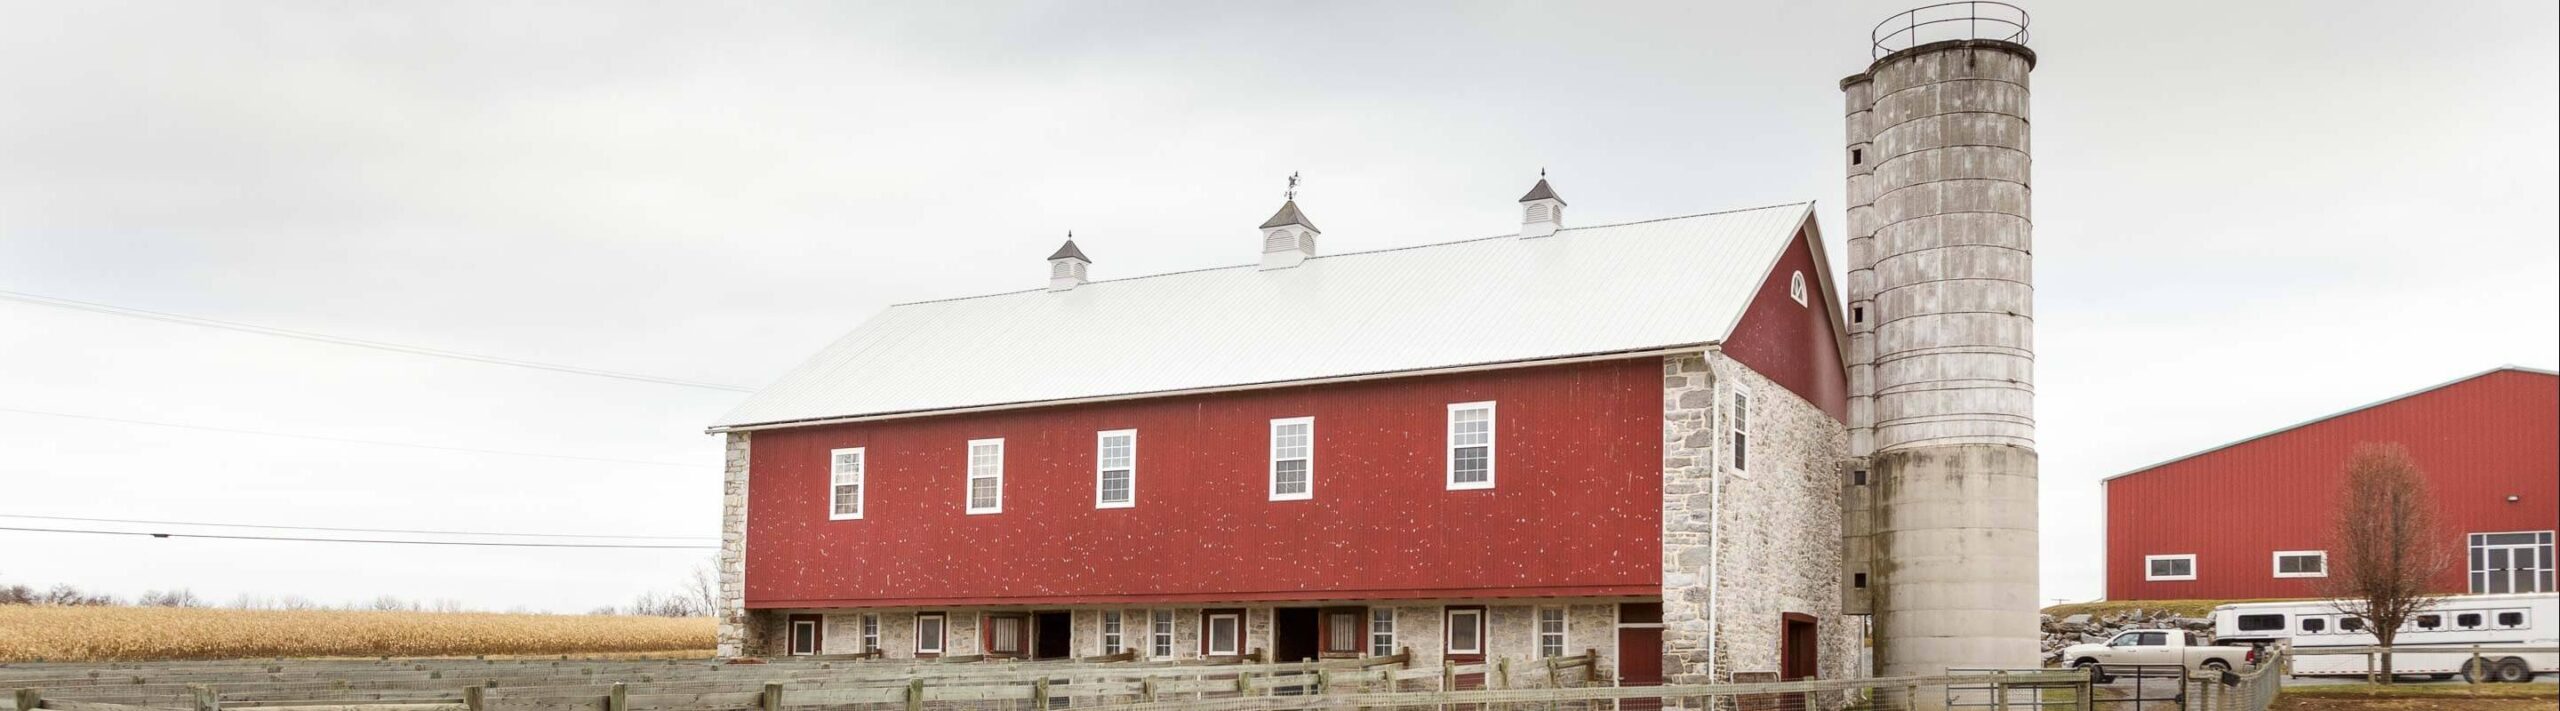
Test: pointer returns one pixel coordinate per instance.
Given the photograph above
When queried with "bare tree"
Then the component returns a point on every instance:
(2387, 548)
(704, 587)
(174, 597)
(19, 595)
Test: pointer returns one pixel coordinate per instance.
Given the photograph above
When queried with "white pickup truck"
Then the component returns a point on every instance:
(2155, 651)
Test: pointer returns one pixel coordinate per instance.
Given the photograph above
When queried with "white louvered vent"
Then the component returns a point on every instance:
(1062, 269)
(1795, 289)
(1277, 241)
(1538, 212)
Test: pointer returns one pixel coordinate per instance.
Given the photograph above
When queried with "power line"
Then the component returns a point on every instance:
(347, 530)
(358, 540)
(357, 342)
(324, 438)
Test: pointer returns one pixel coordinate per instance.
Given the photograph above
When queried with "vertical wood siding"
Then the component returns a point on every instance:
(1790, 343)
(2478, 441)
(1575, 510)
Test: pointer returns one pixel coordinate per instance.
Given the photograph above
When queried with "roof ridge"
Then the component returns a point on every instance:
(1380, 250)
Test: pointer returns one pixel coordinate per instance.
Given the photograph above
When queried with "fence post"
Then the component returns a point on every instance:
(1502, 672)
(2471, 673)
(474, 697)
(1146, 689)
(205, 698)
(1244, 683)
(618, 698)
(30, 699)
(773, 696)
(2000, 689)
(1039, 693)
(915, 695)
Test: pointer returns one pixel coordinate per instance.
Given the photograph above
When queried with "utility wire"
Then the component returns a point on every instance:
(323, 438)
(358, 540)
(356, 342)
(347, 530)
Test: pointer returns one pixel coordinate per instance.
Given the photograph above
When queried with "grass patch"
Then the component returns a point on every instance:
(2425, 691)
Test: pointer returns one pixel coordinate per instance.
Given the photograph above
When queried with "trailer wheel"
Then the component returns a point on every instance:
(2513, 671)
(2476, 671)
(2440, 677)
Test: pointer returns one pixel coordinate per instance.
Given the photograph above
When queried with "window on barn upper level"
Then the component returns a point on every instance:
(986, 476)
(2302, 564)
(1796, 290)
(1293, 449)
(1741, 429)
(844, 484)
(1471, 445)
(1115, 477)
(2169, 567)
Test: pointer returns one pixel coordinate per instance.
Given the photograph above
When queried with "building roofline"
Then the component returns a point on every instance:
(1215, 389)
(1808, 205)
(2332, 416)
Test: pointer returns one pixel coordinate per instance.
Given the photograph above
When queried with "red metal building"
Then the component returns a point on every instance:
(2252, 519)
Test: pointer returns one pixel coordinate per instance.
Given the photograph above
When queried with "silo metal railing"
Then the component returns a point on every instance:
(1964, 20)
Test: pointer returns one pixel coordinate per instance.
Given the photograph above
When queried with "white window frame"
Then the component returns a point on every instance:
(835, 479)
(1160, 634)
(1387, 647)
(942, 632)
(2190, 558)
(1738, 437)
(2276, 564)
(1563, 634)
(1492, 419)
(870, 632)
(968, 492)
(817, 638)
(1449, 629)
(2476, 545)
(1114, 629)
(1274, 487)
(1796, 289)
(1209, 637)
(1101, 442)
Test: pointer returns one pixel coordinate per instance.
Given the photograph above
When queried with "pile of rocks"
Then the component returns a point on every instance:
(2097, 629)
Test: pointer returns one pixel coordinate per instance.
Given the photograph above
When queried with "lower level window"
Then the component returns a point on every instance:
(870, 633)
(1550, 632)
(1111, 632)
(1222, 634)
(2169, 567)
(804, 634)
(1466, 630)
(1382, 631)
(1007, 635)
(929, 630)
(1160, 623)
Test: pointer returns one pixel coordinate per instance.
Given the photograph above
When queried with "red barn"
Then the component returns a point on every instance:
(1622, 439)
(2252, 519)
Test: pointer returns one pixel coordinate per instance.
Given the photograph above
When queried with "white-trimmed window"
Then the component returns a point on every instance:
(1222, 634)
(870, 633)
(1796, 290)
(1161, 624)
(1465, 630)
(2516, 562)
(1293, 450)
(1741, 429)
(844, 484)
(2169, 567)
(929, 631)
(1471, 445)
(1382, 631)
(1115, 469)
(1111, 639)
(986, 476)
(1550, 632)
(2302, 564)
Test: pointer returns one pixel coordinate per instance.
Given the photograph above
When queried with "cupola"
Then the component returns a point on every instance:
(1541, 211)
(1067, 265)
(1288, 237)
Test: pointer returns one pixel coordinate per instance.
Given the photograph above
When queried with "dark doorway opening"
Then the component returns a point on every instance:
(1799, 648)
(1640, 651)
(1294, 634)
(1053, 633)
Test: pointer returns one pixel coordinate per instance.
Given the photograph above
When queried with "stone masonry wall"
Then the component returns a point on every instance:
(1780, 523)
(739, 630)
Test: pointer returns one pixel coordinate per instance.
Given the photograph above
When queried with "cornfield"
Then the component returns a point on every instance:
(55, 633)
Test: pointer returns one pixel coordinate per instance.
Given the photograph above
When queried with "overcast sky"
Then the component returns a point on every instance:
(2247, 214)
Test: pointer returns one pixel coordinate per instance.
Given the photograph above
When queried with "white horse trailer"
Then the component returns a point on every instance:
(2490, 621)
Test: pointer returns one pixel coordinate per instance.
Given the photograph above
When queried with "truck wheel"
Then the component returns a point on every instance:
(2513, 671)
(2097, 672)
(2216, 665)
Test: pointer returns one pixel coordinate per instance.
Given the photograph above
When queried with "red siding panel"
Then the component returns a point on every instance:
(1794, 344)
(1576, 510)
(2479, 441)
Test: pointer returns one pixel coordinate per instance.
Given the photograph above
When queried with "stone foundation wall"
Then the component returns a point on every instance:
(737, 632)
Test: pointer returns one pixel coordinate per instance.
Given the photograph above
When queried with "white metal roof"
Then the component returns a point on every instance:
(1583, 291)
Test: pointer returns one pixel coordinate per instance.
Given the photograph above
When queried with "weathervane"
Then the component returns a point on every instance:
(1292, 193)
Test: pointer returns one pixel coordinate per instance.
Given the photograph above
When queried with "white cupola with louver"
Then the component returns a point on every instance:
(1067, 266)
(1541, 211)
(1288, 237)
